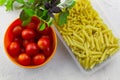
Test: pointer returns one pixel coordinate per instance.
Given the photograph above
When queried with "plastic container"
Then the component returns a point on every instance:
(100, 10)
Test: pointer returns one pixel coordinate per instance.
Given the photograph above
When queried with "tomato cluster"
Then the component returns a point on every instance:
(30, 46)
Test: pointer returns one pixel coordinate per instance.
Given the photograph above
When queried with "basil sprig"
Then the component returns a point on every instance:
(43, 9)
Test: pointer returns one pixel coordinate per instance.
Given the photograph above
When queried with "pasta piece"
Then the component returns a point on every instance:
(103, 56)
(79, 38)
(97, 44)
(101, 38)
(88, 37)
(106, 40)
(79, 46)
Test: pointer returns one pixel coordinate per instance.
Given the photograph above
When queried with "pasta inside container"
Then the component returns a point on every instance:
(89, 40)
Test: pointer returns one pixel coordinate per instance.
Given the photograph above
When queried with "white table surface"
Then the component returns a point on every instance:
(62, 66)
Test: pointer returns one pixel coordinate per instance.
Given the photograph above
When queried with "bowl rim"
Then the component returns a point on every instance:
(31, 66)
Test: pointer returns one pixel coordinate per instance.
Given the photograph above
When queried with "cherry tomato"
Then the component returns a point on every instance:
(38, 59)
(32, 49)
(22, 50)
(45, 31)
(17, 31)
(24, 59)
(47, 52)
(31, 26)
(26, 42)
(14, 49)
(28, 34)
(38, 36)
(43, 42)
(18, 40)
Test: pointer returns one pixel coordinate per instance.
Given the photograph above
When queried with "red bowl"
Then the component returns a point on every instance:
(8, 37)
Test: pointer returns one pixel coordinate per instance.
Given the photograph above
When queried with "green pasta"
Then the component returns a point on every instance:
(88, 37)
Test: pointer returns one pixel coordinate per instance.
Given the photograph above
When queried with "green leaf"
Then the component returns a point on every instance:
(42, 26)
(23, 15)
(45, 12)
(73, 3)
(68, 3)
(31, 1)
(49, 23)
(2, 2)
(25, 22)
(39, 12)
(46, 17)
(9, 5)
(28, 5)
(58, 2)
(36, 2)
(62, 18)
(47, 0)
(29, 12)
(20, 1)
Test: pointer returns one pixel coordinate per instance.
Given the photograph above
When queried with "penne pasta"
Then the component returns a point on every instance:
(88, 37)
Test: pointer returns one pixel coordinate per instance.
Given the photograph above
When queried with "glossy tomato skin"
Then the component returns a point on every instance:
(47, 52)
(32, 49)
(24, 59)
(43, 42)
(14, 49)
(26, 42)
(17, 31)
(28, 34)
(18, 40)
(31, 25)
(45, 31)
(22, 50)
(38, 59)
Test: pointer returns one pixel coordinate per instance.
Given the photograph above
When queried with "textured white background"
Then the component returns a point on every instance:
(62, 66)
